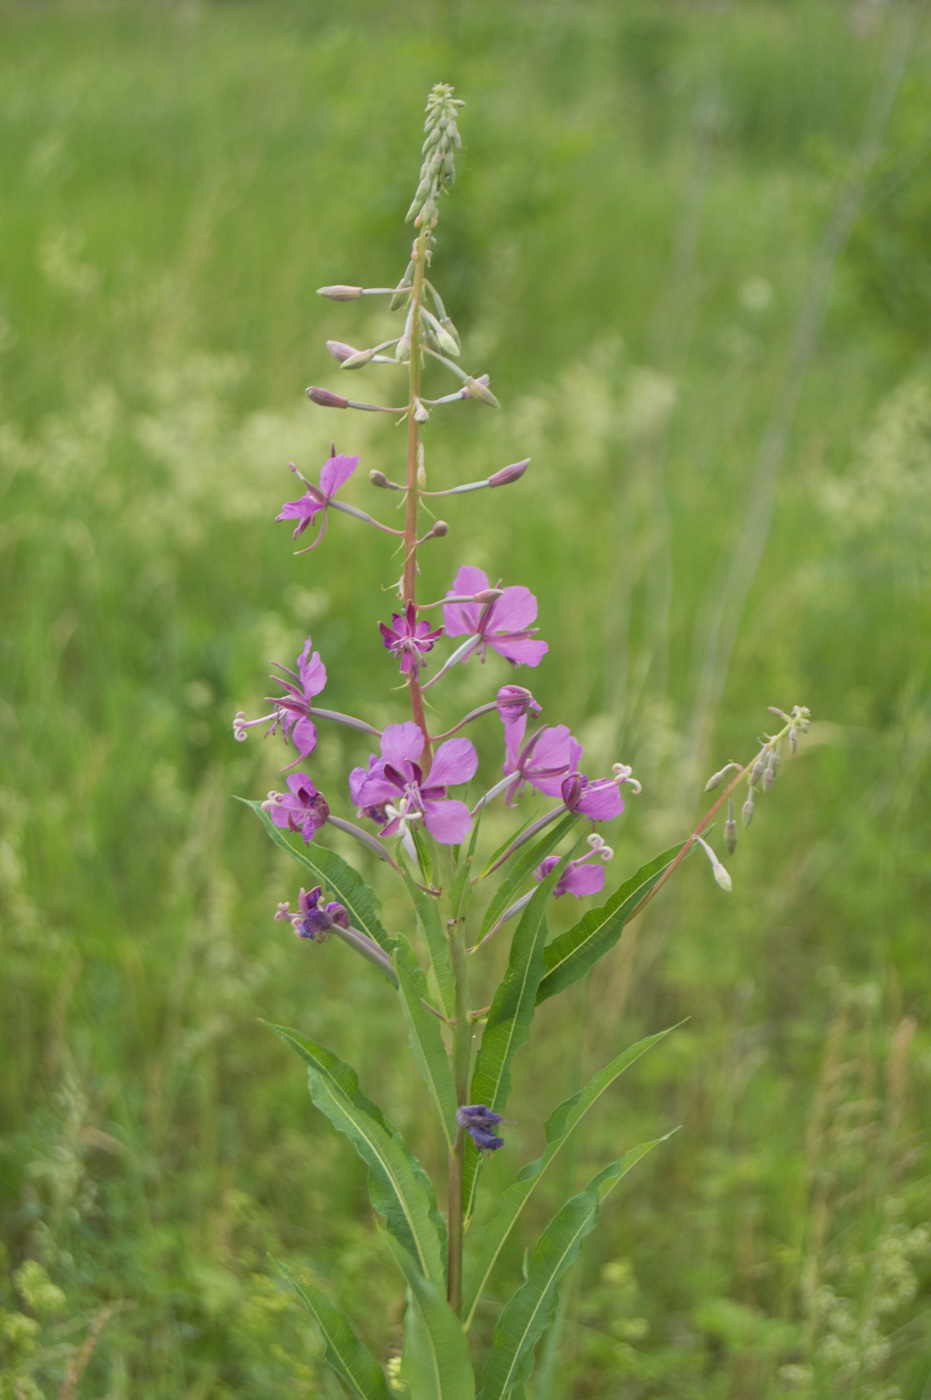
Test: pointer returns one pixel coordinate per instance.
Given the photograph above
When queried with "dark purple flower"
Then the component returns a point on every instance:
(543, 761)
(409, 639)
(600, 800)
(335, 471)
(478, 1122)
(302, 808)
(502, 624)
(314, 919)
(292, 710)
(394, 785)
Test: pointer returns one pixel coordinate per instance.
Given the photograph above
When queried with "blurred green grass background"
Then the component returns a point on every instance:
(628, 251)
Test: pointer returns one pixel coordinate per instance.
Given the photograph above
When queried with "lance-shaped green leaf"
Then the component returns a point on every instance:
(399, 1187)
(428, 916)
(525, 861)
(531, 1308)
(559, 1126)
(435, 1360)
(509, 1016)
(571, 955)
(353, 1363)
(425, 1038)
(327, 868)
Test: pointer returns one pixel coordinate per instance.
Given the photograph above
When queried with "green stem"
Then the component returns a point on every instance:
(413, 446)
(462, 1064)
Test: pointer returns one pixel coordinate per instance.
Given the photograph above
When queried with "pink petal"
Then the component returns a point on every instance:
(513, 739)
(461, 619)
(357, 777)
(304, 735)
(524, 652)
(447, 822)
(454, 762)
(335, 471)
(304, 509)
(581, 880)
(514, 611)
(400, 742)
(312, 672)
(601, 801)
(375, 791)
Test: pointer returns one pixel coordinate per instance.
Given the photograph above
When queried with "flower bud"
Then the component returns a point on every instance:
(746, 811)
(478, 389)
(488, 595)
(421, 414)
(721, 877)
(440, 529)
(769, 775)
(379, 479)
(340, 350)
(714, 781)
(403, 349)
(356, 361)
(325, 399)
(793, 739)
(730, 829)
(340, 293)
(506, 475)
(758, 769)
(450, 329)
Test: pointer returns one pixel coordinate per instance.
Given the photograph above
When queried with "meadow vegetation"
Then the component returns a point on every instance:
(628, 252)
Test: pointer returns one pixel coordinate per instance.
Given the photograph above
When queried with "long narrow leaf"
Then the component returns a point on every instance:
(570, 955)
(425, 1038)
(559, 1126)
(327, 868)
(525, 860)
(353, 1363)
(531, 1309)
(428, 916)
(509, 1016)
(398, 1185)
(435, 1361)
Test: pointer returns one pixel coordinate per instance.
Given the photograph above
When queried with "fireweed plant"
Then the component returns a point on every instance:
(421, 820)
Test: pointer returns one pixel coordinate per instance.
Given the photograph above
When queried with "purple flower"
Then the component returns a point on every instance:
(314, 919)
(292, 710)
(409, 639)
(543, 761)
(336, 470)
(578, 878)
(502, 624)
(393, 786)
(478, 1122)
(302, 808)
(600, 800)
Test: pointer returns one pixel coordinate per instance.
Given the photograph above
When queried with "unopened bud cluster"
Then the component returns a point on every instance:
(438, 171)
(760, 776)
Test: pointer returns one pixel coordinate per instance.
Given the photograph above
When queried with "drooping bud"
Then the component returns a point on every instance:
(477, 389)
(379, 479)
(746, 811)
(769, 775)
(401, 292)
(402, 350)
(758, 769)
(722, 879)
(325, 399)
(488, 595)
(340, 293)
(506, 475)
(793, 739)
(714, 781)
(440, 529)
(513, 701)
(421, 414)
(730, 829)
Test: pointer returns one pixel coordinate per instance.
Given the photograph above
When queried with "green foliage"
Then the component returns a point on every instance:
(435, 1362)
(423, 1030)
(530, 1311)
(399, 1187)
(572, 954)
(353, 1362)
